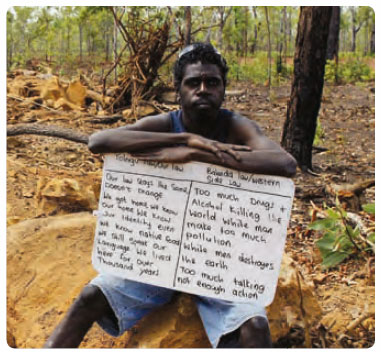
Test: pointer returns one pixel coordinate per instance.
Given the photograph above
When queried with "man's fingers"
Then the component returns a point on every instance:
(241, 147)
(234, 154)
(218, 148)
(145, 156)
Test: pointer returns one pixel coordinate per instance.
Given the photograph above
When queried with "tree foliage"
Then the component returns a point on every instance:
(67, 37)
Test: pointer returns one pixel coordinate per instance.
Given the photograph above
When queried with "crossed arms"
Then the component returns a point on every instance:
(150, 139)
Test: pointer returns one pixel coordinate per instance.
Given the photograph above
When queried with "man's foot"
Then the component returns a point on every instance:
(88, 307)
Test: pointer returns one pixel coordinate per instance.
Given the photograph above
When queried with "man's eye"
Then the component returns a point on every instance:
(213, 82)
(194, 82)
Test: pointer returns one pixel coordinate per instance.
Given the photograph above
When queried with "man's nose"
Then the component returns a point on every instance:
(203, 87)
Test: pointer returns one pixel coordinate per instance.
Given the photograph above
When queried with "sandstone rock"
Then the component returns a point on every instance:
(141, 111)
(295, 303)
(57, 196)
(49, 261)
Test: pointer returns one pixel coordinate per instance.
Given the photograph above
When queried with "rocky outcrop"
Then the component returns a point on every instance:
(49, 261)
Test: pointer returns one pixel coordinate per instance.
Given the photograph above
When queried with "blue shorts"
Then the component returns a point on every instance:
(131, 301)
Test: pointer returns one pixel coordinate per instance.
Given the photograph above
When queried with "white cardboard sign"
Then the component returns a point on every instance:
(195, 227)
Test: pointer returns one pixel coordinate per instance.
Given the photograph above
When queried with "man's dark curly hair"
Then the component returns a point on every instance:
(198, 52)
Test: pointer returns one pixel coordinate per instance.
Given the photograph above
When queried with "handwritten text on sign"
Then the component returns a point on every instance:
(192, 227)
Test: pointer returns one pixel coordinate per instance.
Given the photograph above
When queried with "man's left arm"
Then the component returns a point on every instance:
(265, 156)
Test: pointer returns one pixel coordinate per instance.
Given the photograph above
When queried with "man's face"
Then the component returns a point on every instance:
(202, 90)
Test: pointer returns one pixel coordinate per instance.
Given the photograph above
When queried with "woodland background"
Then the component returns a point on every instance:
(74, 70)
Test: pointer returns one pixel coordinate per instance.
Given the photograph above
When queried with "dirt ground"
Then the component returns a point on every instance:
(347, 118)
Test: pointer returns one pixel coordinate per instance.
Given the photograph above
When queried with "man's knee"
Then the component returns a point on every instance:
(256, 324)
(255, 333)
(91, 300)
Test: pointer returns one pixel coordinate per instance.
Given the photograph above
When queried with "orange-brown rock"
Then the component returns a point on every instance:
(49, 261)
(60, 195)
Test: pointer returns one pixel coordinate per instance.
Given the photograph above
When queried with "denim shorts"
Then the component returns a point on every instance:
(131, 301)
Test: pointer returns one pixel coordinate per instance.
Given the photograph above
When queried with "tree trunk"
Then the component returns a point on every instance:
(279, 63)
(333, 36)
(354, 29)
(256, 29)
(307, 85)
(290, 39)
(80, 42)
(268, 47)
(372, 40)
(333, 39)
(222, 20)
(220, 26)
(285, 32)
(245, 32)
(115, 51)
(188, 25)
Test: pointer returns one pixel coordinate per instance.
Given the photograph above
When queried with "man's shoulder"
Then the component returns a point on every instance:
(240, 127)
(235, 117)
(158, 123)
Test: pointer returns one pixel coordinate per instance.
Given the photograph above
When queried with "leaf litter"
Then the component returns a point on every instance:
(346, 156)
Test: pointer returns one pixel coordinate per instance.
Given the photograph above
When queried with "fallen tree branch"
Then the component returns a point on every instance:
(31, 101)
(108, 120)
(363, 230)
(359, 320)
(51, 131)
(316, 149)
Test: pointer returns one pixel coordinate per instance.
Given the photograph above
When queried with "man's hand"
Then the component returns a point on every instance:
(217, 148)
(178, 154)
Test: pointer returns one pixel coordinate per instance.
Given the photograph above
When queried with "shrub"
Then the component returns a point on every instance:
(339, 239)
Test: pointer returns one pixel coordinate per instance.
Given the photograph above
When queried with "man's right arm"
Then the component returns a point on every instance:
(152, 133)
(149, 132)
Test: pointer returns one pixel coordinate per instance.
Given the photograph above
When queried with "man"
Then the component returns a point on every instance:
(200, 131)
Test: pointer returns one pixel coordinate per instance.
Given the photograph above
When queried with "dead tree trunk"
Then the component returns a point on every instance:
(307, 85)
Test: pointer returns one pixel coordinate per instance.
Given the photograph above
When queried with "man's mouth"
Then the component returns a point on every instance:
(202, 102)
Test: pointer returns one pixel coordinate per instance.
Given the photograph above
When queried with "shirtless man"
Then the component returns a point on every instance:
(200, 131)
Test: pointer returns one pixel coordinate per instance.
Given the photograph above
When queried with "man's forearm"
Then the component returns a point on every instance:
(267, 162)
(119, 141)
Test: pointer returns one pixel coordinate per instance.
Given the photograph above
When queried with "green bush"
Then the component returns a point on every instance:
(256, 69)
(319, 134)
(349, 70)
(339, 239)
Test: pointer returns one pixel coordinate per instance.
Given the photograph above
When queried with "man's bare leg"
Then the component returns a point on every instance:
(88, 307)
(254, 333)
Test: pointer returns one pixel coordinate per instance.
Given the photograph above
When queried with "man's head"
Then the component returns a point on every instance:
(198, 52)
